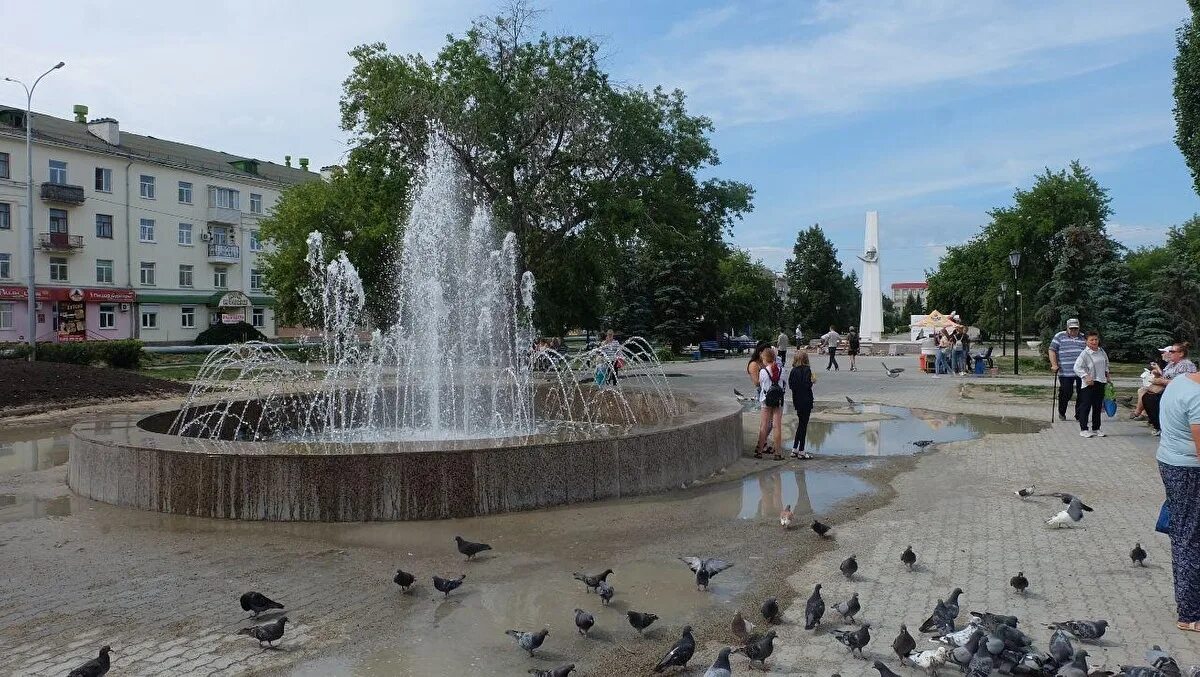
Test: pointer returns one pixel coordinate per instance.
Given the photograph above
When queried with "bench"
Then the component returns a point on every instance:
(711, 348)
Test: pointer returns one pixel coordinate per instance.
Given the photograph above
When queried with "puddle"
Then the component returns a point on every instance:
(29, 450)
(764, 495)
(895, 430)
(20, 507)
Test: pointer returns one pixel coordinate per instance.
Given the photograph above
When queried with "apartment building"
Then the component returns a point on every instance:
(902, 290)
(134, 236)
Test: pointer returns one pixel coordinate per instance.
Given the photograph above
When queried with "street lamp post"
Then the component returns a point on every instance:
(1000, 305)
(31, 289)
(1014, 260)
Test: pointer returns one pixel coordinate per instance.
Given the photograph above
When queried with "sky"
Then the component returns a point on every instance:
(930, 112)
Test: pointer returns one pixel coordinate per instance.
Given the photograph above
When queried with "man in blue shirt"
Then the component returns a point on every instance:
(1064, 349)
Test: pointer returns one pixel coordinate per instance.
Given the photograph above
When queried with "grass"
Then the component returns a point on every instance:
(1035, 366)
(1027, 391)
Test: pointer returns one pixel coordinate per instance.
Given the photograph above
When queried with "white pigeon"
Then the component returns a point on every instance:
(1068, 517)
(958, 638)
(785, 517)
(931, 659)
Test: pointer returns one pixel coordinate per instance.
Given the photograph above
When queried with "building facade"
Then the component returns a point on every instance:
(134, 237)
(902, 290)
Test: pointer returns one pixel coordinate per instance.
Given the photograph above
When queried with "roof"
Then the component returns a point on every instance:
(910, 285)
(150, 149)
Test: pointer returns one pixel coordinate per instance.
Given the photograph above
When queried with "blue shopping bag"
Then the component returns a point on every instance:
(1163, 526)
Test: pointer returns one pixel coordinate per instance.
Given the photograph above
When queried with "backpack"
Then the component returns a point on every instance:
(774, 397)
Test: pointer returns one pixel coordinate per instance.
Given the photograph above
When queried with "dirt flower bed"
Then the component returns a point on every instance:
(39, 384)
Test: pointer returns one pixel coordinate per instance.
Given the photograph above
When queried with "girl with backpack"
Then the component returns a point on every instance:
(770, 384)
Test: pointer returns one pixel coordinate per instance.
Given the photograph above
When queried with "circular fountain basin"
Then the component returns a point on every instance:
(141, 466)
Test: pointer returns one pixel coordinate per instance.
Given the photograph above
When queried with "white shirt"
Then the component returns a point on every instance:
(831, 339)
(764, 383)
(1093, 363)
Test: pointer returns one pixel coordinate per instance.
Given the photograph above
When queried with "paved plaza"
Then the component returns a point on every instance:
(162, 590)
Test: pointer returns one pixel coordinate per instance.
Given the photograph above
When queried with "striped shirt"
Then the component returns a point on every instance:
(1067, 348)
(1173, 369)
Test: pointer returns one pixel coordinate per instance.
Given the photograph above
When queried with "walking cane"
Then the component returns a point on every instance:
(1053, 388)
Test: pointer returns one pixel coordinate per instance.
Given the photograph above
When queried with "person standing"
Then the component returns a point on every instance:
(945, 349)
(800, 382)
(611, 351)
(753, 367)
(830, 340)
(1179, 466)
(1065, 348)
(781, 345)
(1092, 368)
(853, 342)
(959, 359)
(1177, 363)
(770, 398)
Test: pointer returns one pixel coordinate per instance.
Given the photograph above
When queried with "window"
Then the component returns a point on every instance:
(58, 171)
(149, 315)
(58, 221)
(258, 317)
(185, 275)
(5, 167)
(226, 198)
(6, 315)
(256, 279)
(104, 226)
(255, 203)
(108, 316)
(147, 273)
(58, 269)
(185, 192)
(255, 243)
(146, 232)
(220, 274)
(5, 216)
(147, 186)
(185, 234)
(103, 180)
(5, 266)
(187, 317)
(104, 270)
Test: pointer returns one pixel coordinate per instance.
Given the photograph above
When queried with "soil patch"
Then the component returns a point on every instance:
(33, 386)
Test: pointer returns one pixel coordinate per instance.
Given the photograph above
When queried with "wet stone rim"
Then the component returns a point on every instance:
(128, 465)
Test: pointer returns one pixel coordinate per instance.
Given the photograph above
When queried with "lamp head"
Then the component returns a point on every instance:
(60, 64)
(1014, 258)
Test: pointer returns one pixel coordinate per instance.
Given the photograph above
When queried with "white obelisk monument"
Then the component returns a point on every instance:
(870, 323)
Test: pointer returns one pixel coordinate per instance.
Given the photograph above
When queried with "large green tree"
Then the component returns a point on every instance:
(821, 294)
(1187, 91)
(747, 294)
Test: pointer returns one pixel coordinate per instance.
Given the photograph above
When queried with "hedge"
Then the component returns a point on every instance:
(124, 354)
(222, 334)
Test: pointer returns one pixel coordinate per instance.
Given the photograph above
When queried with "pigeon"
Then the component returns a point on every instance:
(850, 401)
(1082, 630)
(403, 579)
(1067, 498)
(770, 610)
(849, 566)
(785, 518)
(904, 644)
(1140, 671)
(908, 558)
(884, 671)
(720, 667)
(447, 585)
(640, 621)
(1068, 517)
(962, 655)
(741, 627)
(921, 444)
(1078, 666)
(1026, 492)
(931, 659)
(528, 641)
(940, 621)
(267, 632)
(759, 649)
(560, 671)
(981, 664)
(592, 581)
(1137, 555)
(814, 609)
(605, 591)
(739, 396)
(705, 569)
(820, 528)
(1164, 663)
(854, 640)
(1060, 647)
(848, 608)
(957, 638)
(893, 372)
(991, 620)
(96, 667)
(470, 549)
(1019, 582)
(952, 604)
(680, 653)
(1011, 637)
(256, 603)
(584, 621)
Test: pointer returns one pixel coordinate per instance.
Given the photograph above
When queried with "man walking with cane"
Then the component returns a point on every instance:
(1065, 347)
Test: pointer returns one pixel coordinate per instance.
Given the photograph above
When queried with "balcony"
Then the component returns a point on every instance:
(231, 217)
(224, 253)
(60, 242)
(62, 193)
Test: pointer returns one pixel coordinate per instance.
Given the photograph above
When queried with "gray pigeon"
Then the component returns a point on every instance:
(447, 585)
(849, 566)
(814, 609)
(1164, 663)
(908, 558)
(855, 640)
(1060, 647)
(940, 621)
(962, 655)
(680, 653)
(592, 581)
(820, 528)
(952, 603)
(705, 568)
(470, 549)
(97, 667)
(921, 444)
(893, 372)
(770, 610)
(759, 649)
(404, 579)
(256, 602)
(584, 621)
(990, 619)
(981, 664)
(639, 620)
(528, 641)
(560, 671)
(848, 608)
(1078, 666)
(1019, 582)
(904, 644)
(1140, 671)
(1082, 630)
(605, 591)
(1138, 555)
(720, 667)
(884, 671)
(267, 632)
(1068, 498)
(741, 627)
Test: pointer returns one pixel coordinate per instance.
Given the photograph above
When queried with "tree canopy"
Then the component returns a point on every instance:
(822, 295)
(1187, 91)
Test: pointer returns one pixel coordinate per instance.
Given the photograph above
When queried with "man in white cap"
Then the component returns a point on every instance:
(1064, 348)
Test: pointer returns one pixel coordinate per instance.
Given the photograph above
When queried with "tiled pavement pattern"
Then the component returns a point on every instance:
(68, 585)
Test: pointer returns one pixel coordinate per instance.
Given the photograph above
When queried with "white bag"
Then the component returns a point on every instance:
(1146, 377)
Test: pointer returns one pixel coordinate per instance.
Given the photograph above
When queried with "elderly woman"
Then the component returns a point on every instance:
(1177, 363)
(1092, 369)
(1179, 465)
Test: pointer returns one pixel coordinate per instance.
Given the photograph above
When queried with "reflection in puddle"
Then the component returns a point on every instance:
(28, 451)
(18, 507)
(808, 492)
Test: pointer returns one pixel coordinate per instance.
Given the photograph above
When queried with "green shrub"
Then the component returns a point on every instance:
(124, 354)
(223, 334)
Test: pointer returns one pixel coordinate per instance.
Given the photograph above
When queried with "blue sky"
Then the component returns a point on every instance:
(930, 112)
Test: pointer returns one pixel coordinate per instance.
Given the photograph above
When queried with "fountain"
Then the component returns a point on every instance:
(447, 411)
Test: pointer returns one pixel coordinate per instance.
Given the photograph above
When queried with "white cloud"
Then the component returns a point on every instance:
(701, 22)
